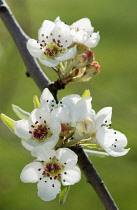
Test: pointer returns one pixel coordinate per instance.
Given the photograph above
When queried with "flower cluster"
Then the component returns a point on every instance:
(67, 49)
(51, 128)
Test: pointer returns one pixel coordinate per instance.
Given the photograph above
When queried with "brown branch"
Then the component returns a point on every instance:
(94, 179)
(34, 71)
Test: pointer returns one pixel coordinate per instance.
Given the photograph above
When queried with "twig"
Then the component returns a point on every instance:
(94, 179)
(34, 71)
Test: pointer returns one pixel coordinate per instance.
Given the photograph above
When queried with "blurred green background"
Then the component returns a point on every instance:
(115, 86)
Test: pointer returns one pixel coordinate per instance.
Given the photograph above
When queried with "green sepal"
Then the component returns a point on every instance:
(36, 102)
(8, 121)
(63, 194)
(20, 112)
(86, 93)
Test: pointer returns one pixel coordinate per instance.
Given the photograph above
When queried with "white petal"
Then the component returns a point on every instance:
(62, 32)
(45, 30)
(80, 112)
(70, 101)
(55, 126)
(57, 19)
(40, 116)
(43, 152)
(71, 175)
(103, 117)
(117, 153)
(93, 40)
(52, 141)
(112, 141)
(104, 137)
(29, 144)
(67, 55)
(46, 95)
(48, 189)
(66, 157)
(49, 62)
(21, 129)
(34, 48)
(83, 23)
(61, 114)
(30, 172)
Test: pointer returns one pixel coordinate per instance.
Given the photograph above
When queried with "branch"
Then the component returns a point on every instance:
(94, 179)
(34, 71)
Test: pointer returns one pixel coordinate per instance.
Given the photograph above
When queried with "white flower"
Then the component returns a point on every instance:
(53, 46)
(82, 32)
(70, 109)
(58, 110)
(112, 141)
(40, 128)
(50, 167)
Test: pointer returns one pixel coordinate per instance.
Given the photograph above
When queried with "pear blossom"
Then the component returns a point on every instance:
(97, 127)
(40, 128)
(53, 45)
(51, 169)
(82, 32)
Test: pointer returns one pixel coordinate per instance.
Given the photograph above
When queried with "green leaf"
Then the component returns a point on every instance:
(36, 102)
(20, 112)
(86, 93)
(63, 194)
(8, 121)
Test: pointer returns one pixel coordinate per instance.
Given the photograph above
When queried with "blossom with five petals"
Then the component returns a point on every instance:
(112, 141)
(53, 45)
(82, 32)
(40, 128)
(49, 169)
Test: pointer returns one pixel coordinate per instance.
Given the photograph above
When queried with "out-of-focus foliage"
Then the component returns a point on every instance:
(115, 86)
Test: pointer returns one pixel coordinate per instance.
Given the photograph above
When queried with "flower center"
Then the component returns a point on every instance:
(53, 168)
(40, 131)
(52, 49)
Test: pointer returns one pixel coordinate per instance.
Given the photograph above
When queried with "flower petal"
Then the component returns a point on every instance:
(61, 114)
(45, 30)
(21, 129)
(34, 48)
(46, 95)
(93, 40)
(112, 141)
(49, 62)
(103, 117)
(83, 24)
(71, 175)
(62, 32)
(48, 189)
(43, 152)
(67, 55)
(30, 173)
(66, 157)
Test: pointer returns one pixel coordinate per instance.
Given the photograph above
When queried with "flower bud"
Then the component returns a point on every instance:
(84, 59)
(91, 70)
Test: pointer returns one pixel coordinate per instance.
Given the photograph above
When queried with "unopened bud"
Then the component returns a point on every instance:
(84, 59)
(93, 68)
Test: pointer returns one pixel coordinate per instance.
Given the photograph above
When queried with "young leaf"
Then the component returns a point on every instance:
(8, 121)
(20, 112)
(36, 102)
(86, 94)
(63, 194)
